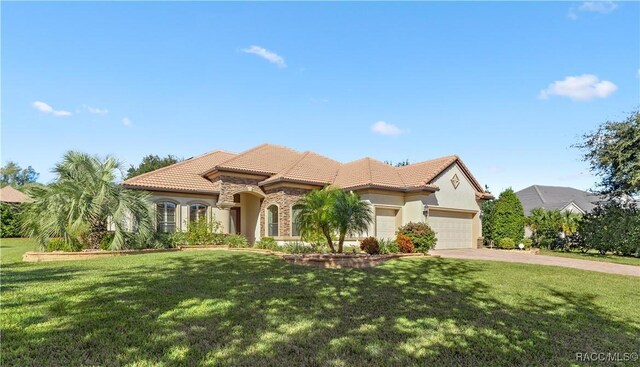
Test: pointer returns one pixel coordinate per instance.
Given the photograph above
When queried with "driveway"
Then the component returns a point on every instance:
(526, 257)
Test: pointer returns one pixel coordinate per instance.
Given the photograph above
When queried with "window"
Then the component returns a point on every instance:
(197, 212)
(166, 216)
(295, 226)
(272, 220)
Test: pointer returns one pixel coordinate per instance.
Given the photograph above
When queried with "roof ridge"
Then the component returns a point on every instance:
(535, 187)
(188, 160)
(429, 160)
(295, 163)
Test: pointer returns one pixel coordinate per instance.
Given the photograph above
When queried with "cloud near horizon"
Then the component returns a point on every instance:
(384, 128)
(270, 56)
(126, 121)
(43, 107)
(579, 88)
(602, 7)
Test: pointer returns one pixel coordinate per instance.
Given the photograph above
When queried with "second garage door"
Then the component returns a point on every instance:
(386, 223)
(453, 230)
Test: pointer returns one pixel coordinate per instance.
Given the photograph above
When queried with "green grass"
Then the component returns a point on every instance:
(594, 255)
(225, 308)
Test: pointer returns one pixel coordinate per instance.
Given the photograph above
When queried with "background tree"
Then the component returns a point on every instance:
(488, 221)
(12, 174)
(150, 163)
(399, 164)
(81, 202)
(508, 217)
(613, 152)
(9, 223)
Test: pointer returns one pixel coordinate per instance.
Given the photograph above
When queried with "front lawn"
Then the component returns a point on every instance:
(226, 308)
(594, 255)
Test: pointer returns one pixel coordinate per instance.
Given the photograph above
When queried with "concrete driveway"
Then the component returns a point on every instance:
(526, 257)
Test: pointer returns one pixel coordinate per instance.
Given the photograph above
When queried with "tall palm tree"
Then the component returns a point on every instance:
(351, 215)
(316, 215)
(83, 200)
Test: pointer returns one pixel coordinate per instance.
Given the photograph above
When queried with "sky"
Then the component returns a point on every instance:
(507, 86)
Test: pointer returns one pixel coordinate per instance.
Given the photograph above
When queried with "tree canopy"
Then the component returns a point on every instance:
(613, 152)
(12, 174)
(506, 217)
(150, 163)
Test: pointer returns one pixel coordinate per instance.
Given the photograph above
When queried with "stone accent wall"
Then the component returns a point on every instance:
(230, 185)
(284, 198)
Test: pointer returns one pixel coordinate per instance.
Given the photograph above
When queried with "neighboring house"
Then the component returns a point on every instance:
(10, 195)
(255, 193)
(557, 198)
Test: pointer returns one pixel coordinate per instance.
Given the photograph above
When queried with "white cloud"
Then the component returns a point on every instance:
(602, 7)
(384, 128)
(126, 121)
(96, 110)
(270, 56)
(43, 107)
(579, 88)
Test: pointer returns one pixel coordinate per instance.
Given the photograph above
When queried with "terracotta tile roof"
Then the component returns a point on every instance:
(368, 172)
(182, 176)
(310, 168)
(264, 159)
(10, 195)
(423, 172)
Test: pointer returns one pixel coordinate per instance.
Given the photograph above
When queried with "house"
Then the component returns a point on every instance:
(557, 198)
(255, 193)
(10, 195)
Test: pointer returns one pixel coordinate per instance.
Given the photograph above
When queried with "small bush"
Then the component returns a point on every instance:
(59, 244)
(420, 234)
(527, 242)
(388, 246)
(203, 232)
(267, 243)
(506, 243)
(235, 241)
(106, 241)
(298, 248)
(404, 244)
(370, 246)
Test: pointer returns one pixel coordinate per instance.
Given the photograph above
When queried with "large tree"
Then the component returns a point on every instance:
(12, 174)
(508, 217)
(79, 205)
(150, 163)
(613, 152)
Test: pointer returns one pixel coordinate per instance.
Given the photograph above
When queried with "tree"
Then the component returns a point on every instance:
(613, 152)
(315, 216)
(9, 224)
(508, 217)
(150, 163)
(488, 221)
(12, 174)
(399, 164)
(82, 201)
(351, 215)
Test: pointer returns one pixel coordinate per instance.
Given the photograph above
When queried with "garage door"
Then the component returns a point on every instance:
(386, 223)
(453, 230)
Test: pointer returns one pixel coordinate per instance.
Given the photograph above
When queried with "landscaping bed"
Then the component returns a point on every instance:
(343, 260)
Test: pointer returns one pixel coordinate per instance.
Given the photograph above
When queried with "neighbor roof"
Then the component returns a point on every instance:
(555, 197)
(281, 164)
(182, 176)
(10, 195)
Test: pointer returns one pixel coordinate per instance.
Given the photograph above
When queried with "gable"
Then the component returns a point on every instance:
(449, 196)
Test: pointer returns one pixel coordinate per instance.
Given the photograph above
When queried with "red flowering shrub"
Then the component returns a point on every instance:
(404, 244)
(370, 246)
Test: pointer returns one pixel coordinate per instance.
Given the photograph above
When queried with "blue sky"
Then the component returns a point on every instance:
(507, 86)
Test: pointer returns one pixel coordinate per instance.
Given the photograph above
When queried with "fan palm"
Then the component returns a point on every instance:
(351, 215)
(82, 202)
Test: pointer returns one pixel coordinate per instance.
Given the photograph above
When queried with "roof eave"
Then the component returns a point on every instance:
(167, 189)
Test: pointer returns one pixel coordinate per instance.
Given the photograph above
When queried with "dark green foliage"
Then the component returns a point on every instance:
(420, 234)
(267, 243)
(545, 225)
(150, 163)
(488, 221)
(508, 217)
(12, 174)
(370, 245)
(506, 243)
(399, 164)
(611, 228)
(59, 244)
(613, 151)
(9, 220)
(388, 246)
(106, 241)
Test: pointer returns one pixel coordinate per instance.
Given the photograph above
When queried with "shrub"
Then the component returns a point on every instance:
(203, 232)
(59, 244)
(9, 224)
(297, 247)
(421, 235)
(611, 228)
(404, 244)
(235, 241)
(506, 243)
(507, 218)
(105, 243)
(161, 240)
(527, 242)
(267, 243)
(370, 246)
(487, 215)
(388, 246)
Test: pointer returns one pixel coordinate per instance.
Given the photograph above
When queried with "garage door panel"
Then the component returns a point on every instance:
(386, 223)
(453, 230)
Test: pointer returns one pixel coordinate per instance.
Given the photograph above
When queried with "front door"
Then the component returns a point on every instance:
(234, 221)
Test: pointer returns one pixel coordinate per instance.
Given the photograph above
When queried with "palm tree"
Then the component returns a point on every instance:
(83, 200)
(316, 215)
(351, 215)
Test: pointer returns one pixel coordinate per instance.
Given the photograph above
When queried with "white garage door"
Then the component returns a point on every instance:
(386, 223)
(453, 230)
